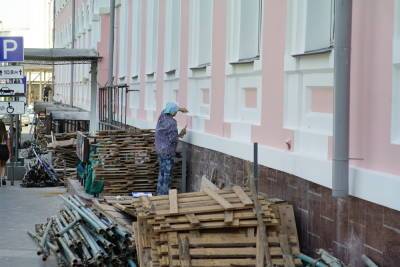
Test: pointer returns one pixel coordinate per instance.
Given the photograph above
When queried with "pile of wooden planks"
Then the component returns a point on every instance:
(212, 228)
(127, 162)
(64, 152)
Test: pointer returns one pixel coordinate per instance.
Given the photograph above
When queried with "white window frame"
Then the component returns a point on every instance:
(151, 36)
(237, 36)
(395, 124)
(299, 16)
(200, 35)
(136, 34)
(172, 35)
(123, 36)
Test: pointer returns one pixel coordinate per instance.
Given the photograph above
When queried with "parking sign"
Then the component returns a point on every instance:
(11, 49)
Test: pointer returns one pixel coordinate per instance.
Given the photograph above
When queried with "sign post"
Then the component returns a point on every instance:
(12, 85)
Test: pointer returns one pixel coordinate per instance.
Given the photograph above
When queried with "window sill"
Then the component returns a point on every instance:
(170, 72)
(201, 66)
(245, 61)
(325, 50)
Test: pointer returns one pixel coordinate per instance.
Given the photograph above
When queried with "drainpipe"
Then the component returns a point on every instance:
(54, 41)
(71, 92)
(340, 170)
(111, 60)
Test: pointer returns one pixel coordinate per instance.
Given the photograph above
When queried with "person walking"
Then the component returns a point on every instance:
(4, 152)
(166, 140)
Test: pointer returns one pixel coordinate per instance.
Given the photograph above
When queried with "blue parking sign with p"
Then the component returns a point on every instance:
(11, 49)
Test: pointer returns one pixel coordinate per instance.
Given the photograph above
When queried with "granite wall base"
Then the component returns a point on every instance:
(346, 227)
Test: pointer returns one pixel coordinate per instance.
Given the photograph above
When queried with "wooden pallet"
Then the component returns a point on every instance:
(127, 162)
(210, 228)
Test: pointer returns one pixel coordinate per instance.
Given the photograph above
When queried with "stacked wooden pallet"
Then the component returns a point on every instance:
(127, 162)
(64, 153)
(212, 228)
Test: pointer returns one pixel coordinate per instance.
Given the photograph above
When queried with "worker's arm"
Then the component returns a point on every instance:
(183, 110)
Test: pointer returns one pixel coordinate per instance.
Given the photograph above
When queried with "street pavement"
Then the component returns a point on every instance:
(20, 209)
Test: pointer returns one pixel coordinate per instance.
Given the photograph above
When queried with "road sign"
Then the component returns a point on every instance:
(11, 49)
(11, 72)
(12, 89)
(12, 107)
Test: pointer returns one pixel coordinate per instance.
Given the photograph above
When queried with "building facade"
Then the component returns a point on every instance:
(262, 71)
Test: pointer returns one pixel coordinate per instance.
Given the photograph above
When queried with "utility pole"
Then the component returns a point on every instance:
(111, 60)
(341, 117)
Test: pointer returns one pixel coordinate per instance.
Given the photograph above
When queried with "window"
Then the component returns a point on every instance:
(319, 24)
(200, 32)
(123, 34)
(136, 26)
(151, 36)
(245, 29)
(172, 35)
(312, 25)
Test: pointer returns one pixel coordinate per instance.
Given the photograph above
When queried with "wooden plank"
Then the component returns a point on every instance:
(228, 217)
(213, 194)
(184, 253)
(242, 195)
(207, 183)
(193, 219)
(287, 256)
(173, 201)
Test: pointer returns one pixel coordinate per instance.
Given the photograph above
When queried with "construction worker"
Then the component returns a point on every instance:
(166, 141)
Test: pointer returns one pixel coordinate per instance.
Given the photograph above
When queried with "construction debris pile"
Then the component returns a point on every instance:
(77, 236)
(212, 228)
(41, 130)
(63, 147)
(64, 158)
(40, 174)
(127, 162)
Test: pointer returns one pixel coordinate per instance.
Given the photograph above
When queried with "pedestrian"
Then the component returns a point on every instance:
(166, 140)
(4, 152)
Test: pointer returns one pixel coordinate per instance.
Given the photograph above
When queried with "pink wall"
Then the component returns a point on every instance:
(142, 75)
(102, 47)
(216, 123)
(371, 86)
(183, 63)
(371, 76)
(321, 99)
(271, 131)
(160, 56)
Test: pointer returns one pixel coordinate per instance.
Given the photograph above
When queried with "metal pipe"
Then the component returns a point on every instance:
(93, 98)
(75, 238)
(368, 261)
(65, 235)
(341, 118)
(81, 213)
(255, 165)
(71, 93)
(92, 243)
(89, 212)
(67, 227)
(309, 260)
(46, 232)
(111, 58)
(72, 260)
